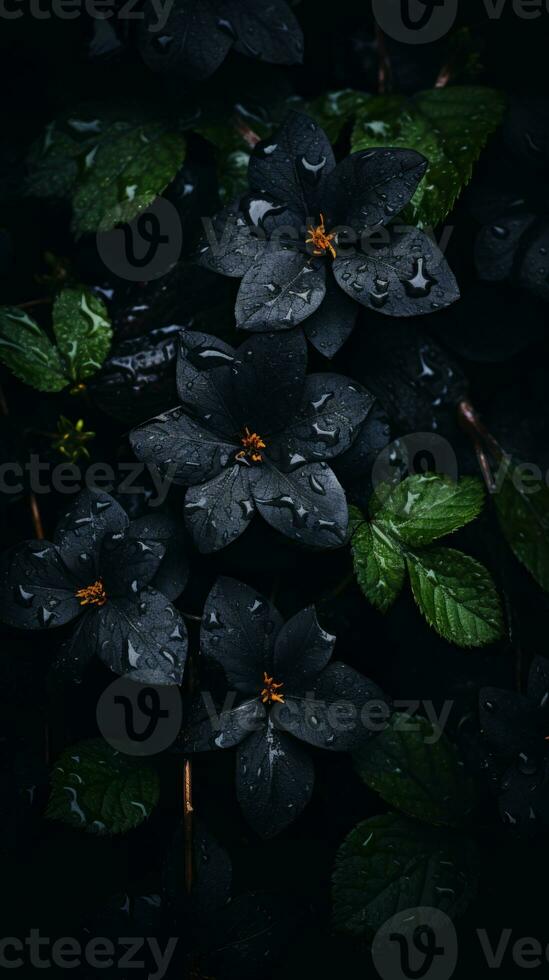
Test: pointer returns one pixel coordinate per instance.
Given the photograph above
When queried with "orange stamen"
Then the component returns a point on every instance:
(92, 594)
(252, 444)
(320, 240)
(268, 694)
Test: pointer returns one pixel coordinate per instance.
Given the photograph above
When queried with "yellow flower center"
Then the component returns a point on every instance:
(268, 694)
(320, 241)
(93, 594)
(252, 444)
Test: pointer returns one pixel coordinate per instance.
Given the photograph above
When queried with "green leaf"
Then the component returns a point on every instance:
(427, 506)
(449, 126)
(112, 164)
(379, 566)
(83, 331)
(523, 513)
(390, 863)
(100, 790)
(27, 351)
(456, 595)
(334, 110)
(416, 769)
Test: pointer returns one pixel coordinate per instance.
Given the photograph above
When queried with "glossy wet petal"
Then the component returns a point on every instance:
(171, 577)
(280, 291)
(333, 322)
(407, 277)
(205, 383)
(191, 42)
(269, 376)
(307, 504)
(302, 650)
(81, 530)
(212, 727)
(36, 589)
(219, 511)
(274, 780)
(231, 244)
(182, 449)
(368, 189)
(239, 629)
(269, 31)
(128, 565)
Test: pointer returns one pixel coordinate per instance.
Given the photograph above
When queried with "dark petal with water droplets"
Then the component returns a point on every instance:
(251, 931)
(191, 42)
(239, 629)
(127, 565)
(232, 245)
(293, 164)
(331, 325)
(268, 31)
(332, 409)
(269, 376)
(307, 504)
(524, 799)
(512, 723)
(354, 467)
(172, 575)
(219, 511)
(36, 590)
(274, 780)
(336, 717)
(302, 650)
(74, 653)
(145, 638)
(280, 291)
(80, 533)
(497, 244)
(408, 277)
(204, 732)
(182, 449)
(205, 367)
(368, 189)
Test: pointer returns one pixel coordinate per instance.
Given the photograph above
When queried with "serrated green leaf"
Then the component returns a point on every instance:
(112, 163)
(426, 506)
(27, 351)
(523, 513)
(379, 566)
(449, 126)
(416, 769)
(83, 331)
(100, 790)
(456, 595)
(390, 863)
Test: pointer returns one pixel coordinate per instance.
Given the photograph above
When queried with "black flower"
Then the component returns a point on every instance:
(253, 434)
(198, 35)
(306, 218)
(286, 690)
(516, 731)
(114, 575)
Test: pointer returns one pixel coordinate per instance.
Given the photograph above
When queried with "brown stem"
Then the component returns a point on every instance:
(384, 65)
(483, 441)
(250, 138)
(35, 302)
(36, 517)
(444, 76)
(188, 823)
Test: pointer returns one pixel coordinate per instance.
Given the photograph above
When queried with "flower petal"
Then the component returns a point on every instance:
(274, 780)
(293, 165)
(341, 714)
(180, 448)
(194, 44)
(326, 422)
(144, 637)
(205, 382)
(239, 629)
(408, 277)
(172, 575)
(333, 322)
(269, 376)
(219, 511)
(80, 532)
(36, 590)
(307, 504)
(268, 31)
(302, 650)
(128, 565)
(232, 243)
(368, 189)
(226, 729)
(280, 291)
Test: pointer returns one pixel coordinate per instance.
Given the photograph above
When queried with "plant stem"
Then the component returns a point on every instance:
(384, 65)
(35, 302)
